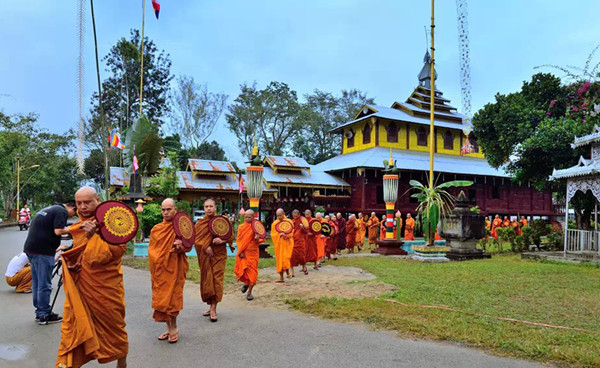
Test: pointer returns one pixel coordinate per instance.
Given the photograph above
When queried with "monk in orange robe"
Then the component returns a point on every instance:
(496, 224)
(212, 258)
(246, 261)
(283, 245)
(332, 240)
(168, 267)
(409, 228)
(18, 273)
(506, 222)
(523, 222)
(93, 326)
(373, 227)
(360, 231)
(398, 226)
(351, 228)
(299, 252)
(516, 227)
(488, 226)
(321, 240)
(311, 243)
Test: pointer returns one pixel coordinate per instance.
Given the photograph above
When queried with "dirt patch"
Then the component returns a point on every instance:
(329, 281)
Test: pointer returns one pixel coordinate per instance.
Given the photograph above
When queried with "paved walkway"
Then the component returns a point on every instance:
(243, 337)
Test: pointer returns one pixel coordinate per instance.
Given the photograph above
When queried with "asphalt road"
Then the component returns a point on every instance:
(243, 337)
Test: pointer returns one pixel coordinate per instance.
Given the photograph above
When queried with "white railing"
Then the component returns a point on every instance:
(582, 241)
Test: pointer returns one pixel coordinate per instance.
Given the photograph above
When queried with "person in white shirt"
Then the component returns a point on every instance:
(18, 273)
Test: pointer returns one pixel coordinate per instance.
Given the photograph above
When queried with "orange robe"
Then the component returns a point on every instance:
(93, 325)
(409, 228)
(373, 225)
(495, 224)
(299, 251)
(488, 226)
(21, 280)
(212, 269)
(283, 247)
(311, 245)
(360, 232)
(524, 221)
(321, 244)
(332, 241)
(246, 269)
(506, 223)
(351, 234)
(516, 228)
(167, 270)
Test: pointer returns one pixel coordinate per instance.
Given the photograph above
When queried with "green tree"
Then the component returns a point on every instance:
(320, 113)
(207, 151)
(143, 138)
(55, 180)
(271, 113)
(196, 111)
(172, 145)
(165, 183)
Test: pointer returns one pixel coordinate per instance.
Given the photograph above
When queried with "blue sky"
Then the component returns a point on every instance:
(375, 46)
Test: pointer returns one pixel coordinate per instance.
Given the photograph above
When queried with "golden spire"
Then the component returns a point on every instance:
(255, 149)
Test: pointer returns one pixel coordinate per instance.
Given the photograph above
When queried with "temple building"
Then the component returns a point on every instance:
(404, 128)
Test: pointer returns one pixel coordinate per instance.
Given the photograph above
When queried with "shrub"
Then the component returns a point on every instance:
(507, 234)
(526, 237)
(539, 228)
(555, 239)
(149, 217)
(320, 209)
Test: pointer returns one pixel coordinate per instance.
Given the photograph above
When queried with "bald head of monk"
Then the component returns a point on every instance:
(307, 213)
(327, 217)
(210, 207)
(373, 214)
(280, 214)
(319, 215)
(249, 216)
(408, 215)
(295, 214)
(87, 200)
(339, 215)
(360, 215)
(168, 209)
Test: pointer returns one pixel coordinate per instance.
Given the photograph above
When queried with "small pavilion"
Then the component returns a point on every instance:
(584, 177)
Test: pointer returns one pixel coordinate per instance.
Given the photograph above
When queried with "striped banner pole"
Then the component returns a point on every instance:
(389, 221)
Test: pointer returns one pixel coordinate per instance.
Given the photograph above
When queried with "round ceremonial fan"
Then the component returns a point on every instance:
(304, 222)
(286, 227)
(326, 229)
(220, 227)
(184, 228)
(259, 229)
(315, 226)
(118, 223)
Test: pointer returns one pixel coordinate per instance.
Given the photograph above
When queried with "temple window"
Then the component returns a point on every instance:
(367, 133)
(392, 132)
(448, 140)
(421, 137)
(350, 137)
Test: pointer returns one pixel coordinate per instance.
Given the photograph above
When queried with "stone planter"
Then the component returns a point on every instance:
(433, 254)
(462, 229)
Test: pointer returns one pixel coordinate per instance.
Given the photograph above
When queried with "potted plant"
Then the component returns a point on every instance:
(434, 203)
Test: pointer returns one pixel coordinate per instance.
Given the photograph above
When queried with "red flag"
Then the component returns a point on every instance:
(156, 7)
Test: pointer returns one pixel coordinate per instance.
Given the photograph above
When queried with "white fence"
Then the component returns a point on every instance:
(582, 241)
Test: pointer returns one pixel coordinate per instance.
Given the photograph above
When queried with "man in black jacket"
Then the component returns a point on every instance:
(42, 243)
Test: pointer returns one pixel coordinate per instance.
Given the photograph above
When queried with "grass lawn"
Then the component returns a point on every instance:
(505, 286)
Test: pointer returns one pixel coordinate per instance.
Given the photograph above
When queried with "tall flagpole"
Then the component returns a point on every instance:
(100, 107)
(432, 98)
(142, 52)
